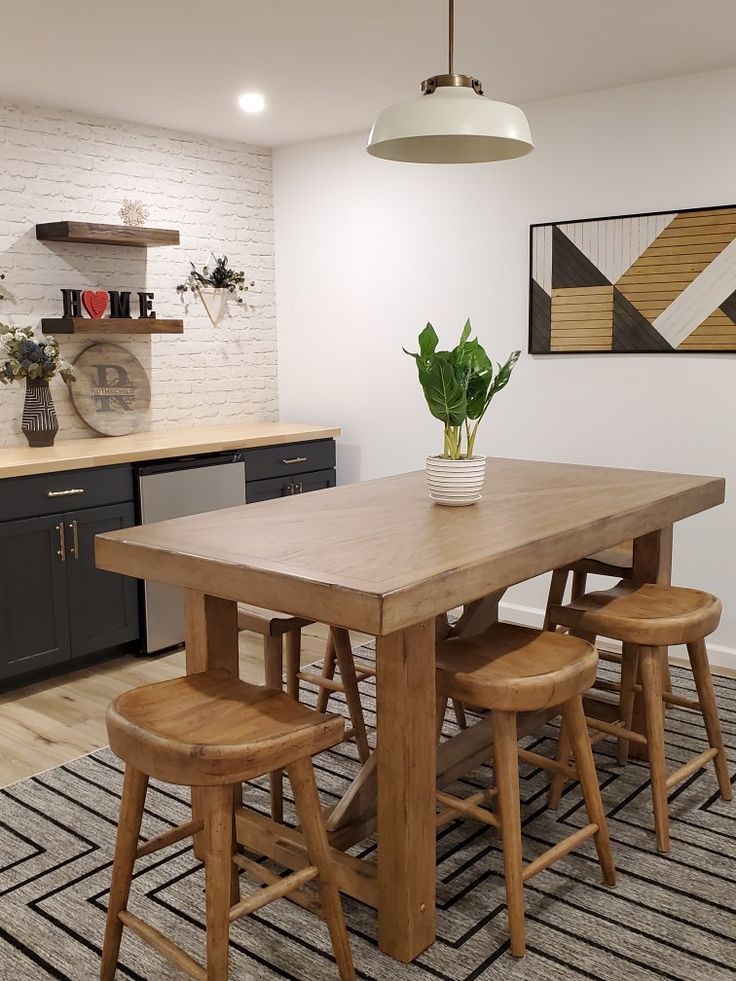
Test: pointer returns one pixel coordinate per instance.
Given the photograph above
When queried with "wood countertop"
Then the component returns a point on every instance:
(104, 451)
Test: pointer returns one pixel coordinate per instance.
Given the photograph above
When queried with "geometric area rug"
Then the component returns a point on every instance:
(669, 917)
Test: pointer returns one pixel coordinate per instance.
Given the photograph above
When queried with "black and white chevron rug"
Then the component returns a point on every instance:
(671, 918)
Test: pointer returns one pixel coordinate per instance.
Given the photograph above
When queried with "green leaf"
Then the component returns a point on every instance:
(428, 341)
(477, 395)
(445, 397)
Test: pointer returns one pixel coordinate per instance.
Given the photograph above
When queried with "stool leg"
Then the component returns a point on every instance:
(328, 671)
(459, 710)
(650, 668)
(218, 865)
(629, 673)
(344, 654)
(577, 730)
(309, 810)
(579, 584)
(556, 595)
(441, 711)
(557, 784)
(293, 651)
(709, 707)
(506, 766)
(135, 785)
(273, 655)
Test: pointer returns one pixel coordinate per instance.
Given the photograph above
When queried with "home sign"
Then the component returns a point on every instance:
(95, 302)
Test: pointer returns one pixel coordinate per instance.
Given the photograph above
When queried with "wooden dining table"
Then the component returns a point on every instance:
(380, 557)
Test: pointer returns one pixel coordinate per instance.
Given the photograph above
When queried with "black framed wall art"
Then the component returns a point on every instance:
(653, 283)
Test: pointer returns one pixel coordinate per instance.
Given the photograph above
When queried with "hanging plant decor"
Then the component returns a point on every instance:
(214, 284)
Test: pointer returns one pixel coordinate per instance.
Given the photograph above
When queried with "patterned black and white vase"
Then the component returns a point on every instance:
(40, 424)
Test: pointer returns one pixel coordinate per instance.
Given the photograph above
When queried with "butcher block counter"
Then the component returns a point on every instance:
(105, 451)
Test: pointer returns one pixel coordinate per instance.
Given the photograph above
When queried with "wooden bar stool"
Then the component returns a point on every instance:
(338, 656)
(508, 670)
(648, 618)
(282, 641)
(616, 562)
(278, 630)
(213, 731)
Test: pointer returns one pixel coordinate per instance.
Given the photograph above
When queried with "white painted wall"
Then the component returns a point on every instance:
(367, 251)
(59, 165)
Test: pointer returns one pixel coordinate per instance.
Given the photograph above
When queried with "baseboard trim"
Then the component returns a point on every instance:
(529, 616)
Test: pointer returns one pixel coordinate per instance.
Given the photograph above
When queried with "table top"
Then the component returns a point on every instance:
(104, 451)
(379, 556)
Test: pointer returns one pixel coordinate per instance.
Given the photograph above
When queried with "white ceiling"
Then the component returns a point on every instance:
(328, 66)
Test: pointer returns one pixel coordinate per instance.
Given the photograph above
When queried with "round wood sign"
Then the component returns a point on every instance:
(111, 390)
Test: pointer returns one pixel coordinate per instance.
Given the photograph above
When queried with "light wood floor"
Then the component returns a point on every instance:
(54, 721)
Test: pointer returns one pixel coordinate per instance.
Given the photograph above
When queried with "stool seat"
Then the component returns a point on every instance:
(268, 623)
(513, 668)
(642, 613)
(609, 561)
(211, 729)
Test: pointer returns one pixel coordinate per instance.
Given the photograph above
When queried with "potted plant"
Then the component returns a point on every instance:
(37, 361)
(458, 386)
(214, 285)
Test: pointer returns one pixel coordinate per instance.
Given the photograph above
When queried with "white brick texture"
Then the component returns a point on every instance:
(57, 166)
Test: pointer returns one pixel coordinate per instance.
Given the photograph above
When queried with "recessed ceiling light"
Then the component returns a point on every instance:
(252, 102)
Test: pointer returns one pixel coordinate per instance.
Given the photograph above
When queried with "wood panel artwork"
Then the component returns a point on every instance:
(655, 283)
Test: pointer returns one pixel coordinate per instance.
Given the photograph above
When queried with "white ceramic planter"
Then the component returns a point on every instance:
(215, 302)
(456, 483)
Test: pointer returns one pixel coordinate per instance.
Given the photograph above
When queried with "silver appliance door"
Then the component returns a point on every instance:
(175, 494)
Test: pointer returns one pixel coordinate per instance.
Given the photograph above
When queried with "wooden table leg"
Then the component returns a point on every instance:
(652, 563)
(211, 643)
(406, 785)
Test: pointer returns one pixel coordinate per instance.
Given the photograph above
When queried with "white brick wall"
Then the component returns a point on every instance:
(59, 165)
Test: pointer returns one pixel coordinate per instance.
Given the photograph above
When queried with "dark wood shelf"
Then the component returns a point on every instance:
(108, 325)
(95, 234)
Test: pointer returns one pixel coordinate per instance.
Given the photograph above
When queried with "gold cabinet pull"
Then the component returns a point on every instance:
(75, 539)
(61, 551)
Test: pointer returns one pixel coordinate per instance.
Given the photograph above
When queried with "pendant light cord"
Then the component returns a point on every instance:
(451, 45)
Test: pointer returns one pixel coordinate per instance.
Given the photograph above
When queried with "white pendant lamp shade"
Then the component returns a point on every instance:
(452, 125)
(451, 122)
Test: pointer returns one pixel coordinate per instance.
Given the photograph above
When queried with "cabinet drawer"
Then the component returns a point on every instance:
(264, 462)
(53, 493)
(268, 490)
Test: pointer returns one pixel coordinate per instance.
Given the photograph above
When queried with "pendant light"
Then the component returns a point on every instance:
(451, 122)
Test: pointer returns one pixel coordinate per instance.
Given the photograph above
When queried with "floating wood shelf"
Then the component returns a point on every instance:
(110, 325)
(95, 234)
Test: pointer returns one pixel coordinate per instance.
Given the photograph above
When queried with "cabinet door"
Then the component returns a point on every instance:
(103, 606)
(267, 490)
(34, 618)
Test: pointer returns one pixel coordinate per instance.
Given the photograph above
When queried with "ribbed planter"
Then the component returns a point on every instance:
(39, 423)
(456, 483)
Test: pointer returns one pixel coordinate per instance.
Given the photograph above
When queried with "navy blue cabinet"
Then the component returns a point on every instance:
(55, 605)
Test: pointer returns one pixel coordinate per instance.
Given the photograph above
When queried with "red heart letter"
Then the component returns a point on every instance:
(95, 302)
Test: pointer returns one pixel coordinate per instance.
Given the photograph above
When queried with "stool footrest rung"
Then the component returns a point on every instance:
(611, 656)
(276, 890)
(545, 763)
(362, 673)
(616, 729)
(167, 948)
(465, 808)
(269, 878)
(562, 848)
(169, 838)
(312, 678)
(687, 769)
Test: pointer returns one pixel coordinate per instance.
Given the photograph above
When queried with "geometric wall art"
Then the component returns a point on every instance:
(661, 283)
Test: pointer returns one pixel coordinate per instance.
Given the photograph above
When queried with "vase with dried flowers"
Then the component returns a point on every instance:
(36, 361)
